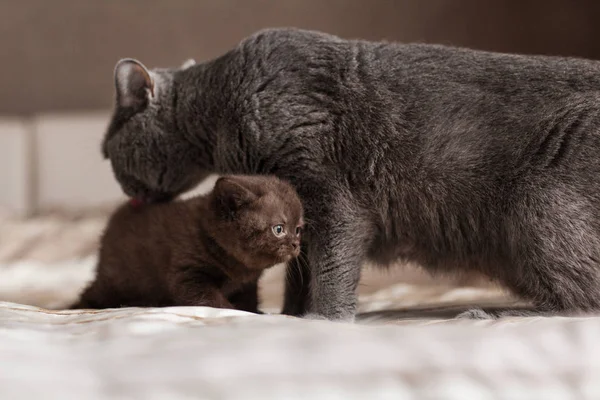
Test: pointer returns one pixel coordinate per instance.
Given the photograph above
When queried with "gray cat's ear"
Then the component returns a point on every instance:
(133, 82)
(231, 194)
(188, 63)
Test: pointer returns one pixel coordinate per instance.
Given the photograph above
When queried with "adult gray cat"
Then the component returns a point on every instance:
(456, 159)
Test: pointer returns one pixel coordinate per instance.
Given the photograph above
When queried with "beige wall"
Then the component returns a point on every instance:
(59, 54)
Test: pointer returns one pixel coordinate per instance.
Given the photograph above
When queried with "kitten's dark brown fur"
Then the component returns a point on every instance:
(206, 251)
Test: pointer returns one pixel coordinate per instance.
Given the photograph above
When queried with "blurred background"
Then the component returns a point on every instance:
(58, 57)
(56, 85)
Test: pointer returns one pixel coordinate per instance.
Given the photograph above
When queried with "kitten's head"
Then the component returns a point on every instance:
(258, 219)
(150, 158)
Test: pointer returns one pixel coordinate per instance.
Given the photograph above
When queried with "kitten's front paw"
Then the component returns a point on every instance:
(476, 313)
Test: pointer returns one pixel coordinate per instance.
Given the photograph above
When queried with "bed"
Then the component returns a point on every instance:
(406, 344)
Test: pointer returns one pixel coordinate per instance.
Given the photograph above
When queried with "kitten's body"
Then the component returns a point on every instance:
(453, 158)
(188, 253)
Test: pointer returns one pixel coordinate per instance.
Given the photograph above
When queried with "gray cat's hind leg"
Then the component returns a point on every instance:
(556, 261)
(475, 313)
(553, 257)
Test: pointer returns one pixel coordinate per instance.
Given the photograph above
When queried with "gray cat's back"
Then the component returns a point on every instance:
(453, 152)
(386, 63)
(450, 112)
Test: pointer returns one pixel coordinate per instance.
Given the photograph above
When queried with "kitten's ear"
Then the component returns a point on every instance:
(231, 194)
(133, 82)
(188, 63)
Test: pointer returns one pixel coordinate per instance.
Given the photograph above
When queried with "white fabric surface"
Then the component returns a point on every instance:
(203, 353)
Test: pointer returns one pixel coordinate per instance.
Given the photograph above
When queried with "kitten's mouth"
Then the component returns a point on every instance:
(282, 258)
(291, 256)
(284, 255)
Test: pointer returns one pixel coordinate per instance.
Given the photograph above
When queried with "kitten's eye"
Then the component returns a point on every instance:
(298, 230)
(278, 230)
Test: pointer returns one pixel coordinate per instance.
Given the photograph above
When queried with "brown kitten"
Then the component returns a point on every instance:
(206, 251)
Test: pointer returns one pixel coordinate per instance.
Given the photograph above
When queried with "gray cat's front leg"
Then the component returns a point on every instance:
(336, 251)
(335, 275)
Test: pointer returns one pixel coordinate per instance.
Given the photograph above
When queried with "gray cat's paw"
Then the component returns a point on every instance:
(314, 316)
(475, 313)
(319, 317)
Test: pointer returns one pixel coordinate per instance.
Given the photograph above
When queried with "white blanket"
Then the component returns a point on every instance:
(395, 352)
(203, 353)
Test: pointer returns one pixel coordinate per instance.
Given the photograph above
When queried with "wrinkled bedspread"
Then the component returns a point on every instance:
(406, 343)
(182, 353)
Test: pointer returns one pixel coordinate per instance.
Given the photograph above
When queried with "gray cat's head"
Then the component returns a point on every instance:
(150, 157)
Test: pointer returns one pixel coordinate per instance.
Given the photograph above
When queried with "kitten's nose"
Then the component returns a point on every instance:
(296, 244)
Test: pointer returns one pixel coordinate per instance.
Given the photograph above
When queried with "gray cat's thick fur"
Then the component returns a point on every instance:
(456, 159)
